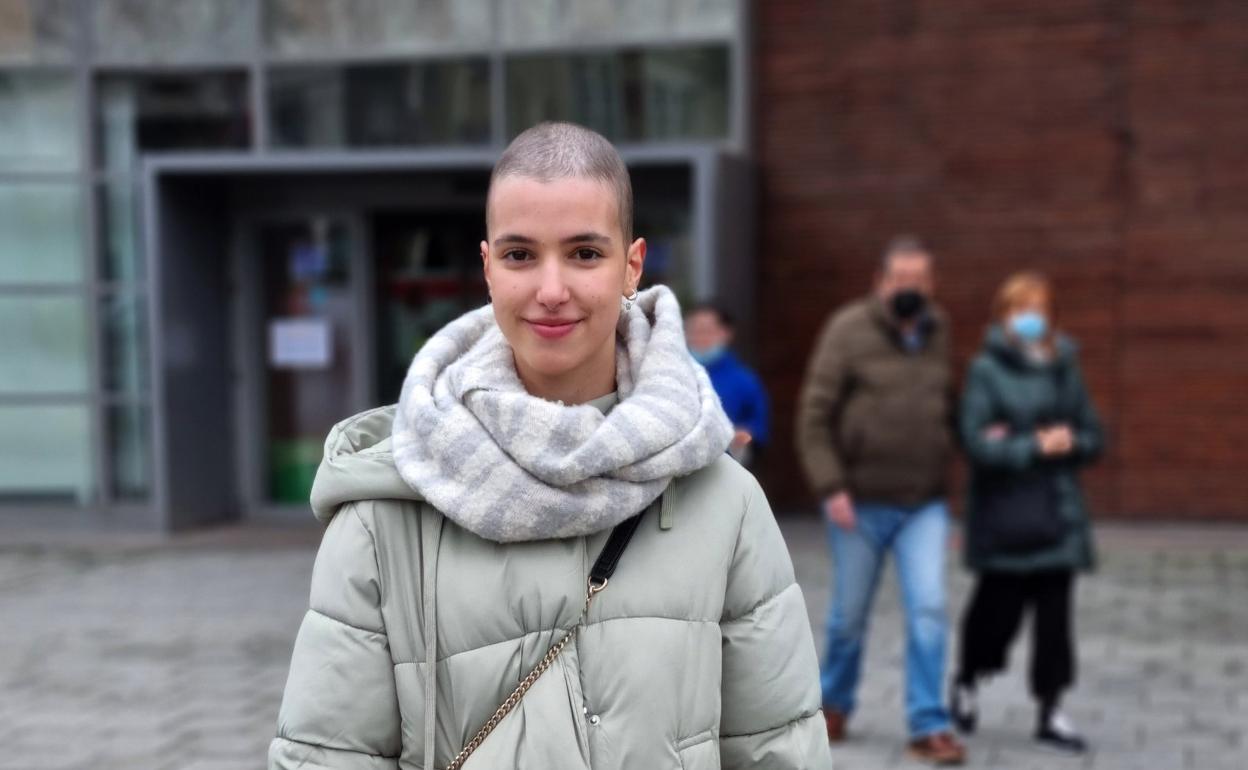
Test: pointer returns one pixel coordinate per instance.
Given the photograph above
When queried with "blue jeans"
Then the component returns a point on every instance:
(917, 538)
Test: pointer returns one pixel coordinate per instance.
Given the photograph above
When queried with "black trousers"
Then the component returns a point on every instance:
(994, 616)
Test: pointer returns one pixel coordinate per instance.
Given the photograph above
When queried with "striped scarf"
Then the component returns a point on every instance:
(510, 466)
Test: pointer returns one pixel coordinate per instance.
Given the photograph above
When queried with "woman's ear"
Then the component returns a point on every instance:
(636, 262)
(485, 263)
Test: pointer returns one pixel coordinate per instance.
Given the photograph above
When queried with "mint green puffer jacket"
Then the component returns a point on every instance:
(698, 654)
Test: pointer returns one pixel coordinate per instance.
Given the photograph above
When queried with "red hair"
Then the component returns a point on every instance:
(1022, 289)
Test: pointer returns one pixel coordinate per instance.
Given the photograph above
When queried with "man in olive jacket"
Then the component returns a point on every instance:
(874, 436)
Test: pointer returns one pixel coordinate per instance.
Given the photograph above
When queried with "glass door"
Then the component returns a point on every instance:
(428, 272)
(301, 334)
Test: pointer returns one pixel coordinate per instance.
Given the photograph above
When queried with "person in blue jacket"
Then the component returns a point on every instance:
(709, 332)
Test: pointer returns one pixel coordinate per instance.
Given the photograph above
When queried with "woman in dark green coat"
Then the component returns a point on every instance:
(1028, 426)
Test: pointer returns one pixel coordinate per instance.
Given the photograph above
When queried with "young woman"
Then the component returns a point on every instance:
(1028, 426)
(464, 526)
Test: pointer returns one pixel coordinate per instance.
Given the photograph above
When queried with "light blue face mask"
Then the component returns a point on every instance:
(708, 356)
(1029, 326)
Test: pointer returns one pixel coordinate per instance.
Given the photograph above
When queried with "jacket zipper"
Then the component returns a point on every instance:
(581, 719)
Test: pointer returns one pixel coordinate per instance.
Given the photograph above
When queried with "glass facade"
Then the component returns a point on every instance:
(41, 232)
(124, 320)
(664, 216)
(126, 428)
(39, 129)
(88, 88)
(158, 113)
(52, 462)
(381, 105)
(45, 351)
(120, 260)
(44, 346)
(632, 96)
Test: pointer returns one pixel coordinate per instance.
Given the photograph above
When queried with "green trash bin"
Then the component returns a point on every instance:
(292, 467)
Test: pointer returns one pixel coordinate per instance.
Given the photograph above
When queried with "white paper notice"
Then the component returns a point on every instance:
(300, 343)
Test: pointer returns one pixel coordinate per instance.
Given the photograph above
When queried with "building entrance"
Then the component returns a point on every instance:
(331, 309)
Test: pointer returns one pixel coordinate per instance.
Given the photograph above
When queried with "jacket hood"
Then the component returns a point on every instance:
(999, 344)
(358, 464)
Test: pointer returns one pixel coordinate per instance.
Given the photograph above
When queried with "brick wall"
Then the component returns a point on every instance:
(1105, 143)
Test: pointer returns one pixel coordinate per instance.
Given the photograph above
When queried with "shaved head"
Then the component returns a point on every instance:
(550, 151)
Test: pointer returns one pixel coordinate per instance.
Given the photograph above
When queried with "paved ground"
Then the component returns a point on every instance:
(134, 654)
(1163, 648)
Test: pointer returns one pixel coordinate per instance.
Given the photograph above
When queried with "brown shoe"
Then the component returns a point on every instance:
(939, 749)
(836, 725)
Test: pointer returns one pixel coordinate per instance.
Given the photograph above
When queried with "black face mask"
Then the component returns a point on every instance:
(908, 304)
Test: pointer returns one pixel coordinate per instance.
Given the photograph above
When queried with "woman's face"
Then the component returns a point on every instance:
(557, 267)
(1032, 304)
(704, 331)
(1028, 320)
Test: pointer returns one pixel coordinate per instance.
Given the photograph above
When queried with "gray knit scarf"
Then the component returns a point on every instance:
(510, 466)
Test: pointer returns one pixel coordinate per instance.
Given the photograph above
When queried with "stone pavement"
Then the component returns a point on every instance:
(1162, 633)
(131, 653)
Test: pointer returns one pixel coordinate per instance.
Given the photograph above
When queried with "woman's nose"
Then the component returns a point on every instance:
(552, 290)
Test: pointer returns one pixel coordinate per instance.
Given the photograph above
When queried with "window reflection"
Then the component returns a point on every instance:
(380, 105)
(40, 232)
(52, 462)
(38, 122)
(118, 222)
(129, 439)
(44, 345)
(125, 355)
(664, 217)
(428, 273)
(141, 113)
(663, 94)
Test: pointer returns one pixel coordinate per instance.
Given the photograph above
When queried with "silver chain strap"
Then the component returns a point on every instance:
(525, 683)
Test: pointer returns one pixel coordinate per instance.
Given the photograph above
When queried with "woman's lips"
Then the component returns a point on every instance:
(552, 330)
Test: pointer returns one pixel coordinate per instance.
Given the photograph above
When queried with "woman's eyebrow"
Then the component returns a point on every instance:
(587, 237)
(515, 238)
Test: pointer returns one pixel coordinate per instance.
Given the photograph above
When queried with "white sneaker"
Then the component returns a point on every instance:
(1057, 732)
(963, 709)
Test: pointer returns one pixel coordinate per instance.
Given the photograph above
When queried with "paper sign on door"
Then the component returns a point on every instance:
(300, 343)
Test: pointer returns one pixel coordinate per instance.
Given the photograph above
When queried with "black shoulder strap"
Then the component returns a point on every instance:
(609, 559)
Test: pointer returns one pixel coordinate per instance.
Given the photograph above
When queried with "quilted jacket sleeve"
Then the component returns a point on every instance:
(340, 709)
(1015, 452)
(822, 397)
(771, 716)
(1089, 435)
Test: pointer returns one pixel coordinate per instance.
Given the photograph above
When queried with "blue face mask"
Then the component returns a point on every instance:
(1029, 326)
(708, 356)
